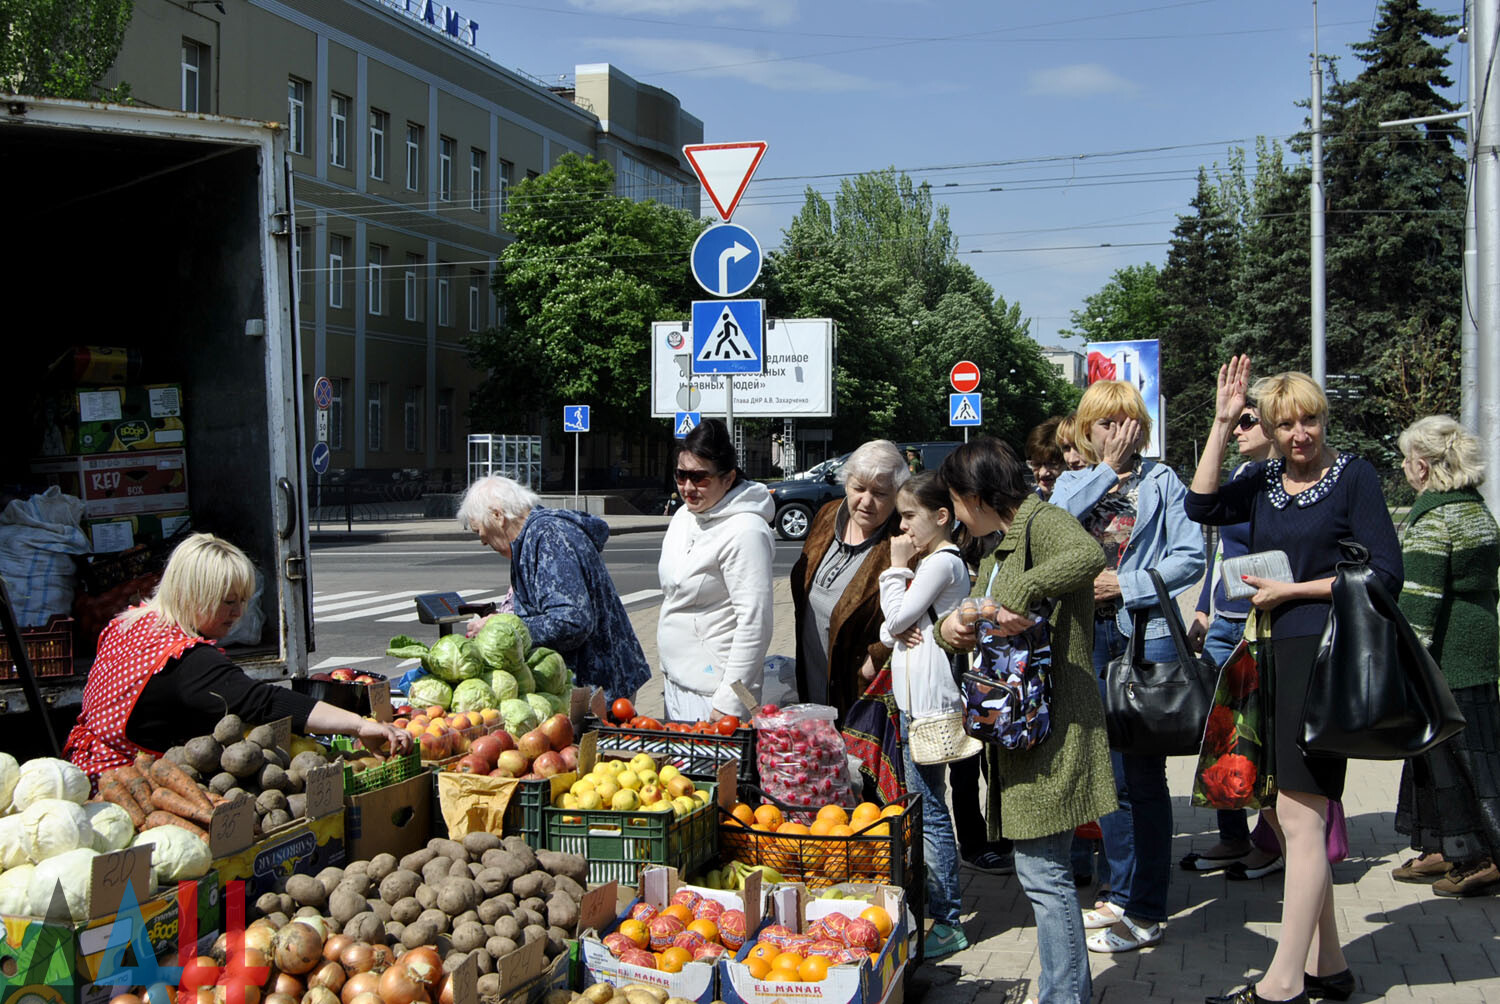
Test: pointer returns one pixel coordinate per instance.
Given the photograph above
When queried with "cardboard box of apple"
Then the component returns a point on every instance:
(636, 785)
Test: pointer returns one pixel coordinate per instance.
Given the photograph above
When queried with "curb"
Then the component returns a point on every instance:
(358, 536)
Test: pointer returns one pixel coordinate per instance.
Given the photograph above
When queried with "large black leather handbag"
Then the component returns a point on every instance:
(1158, 708)
(1375, 692)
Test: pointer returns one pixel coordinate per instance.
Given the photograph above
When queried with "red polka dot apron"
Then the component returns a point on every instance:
(127, 659)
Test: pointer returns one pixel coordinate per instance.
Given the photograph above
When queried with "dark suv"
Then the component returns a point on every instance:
(799, 498)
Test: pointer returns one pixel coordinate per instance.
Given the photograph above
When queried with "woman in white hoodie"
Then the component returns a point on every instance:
(715, 571)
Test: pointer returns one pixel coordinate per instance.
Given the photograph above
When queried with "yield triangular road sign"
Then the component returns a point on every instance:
(725, 170)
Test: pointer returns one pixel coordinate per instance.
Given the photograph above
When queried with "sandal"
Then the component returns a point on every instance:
(1126, 936)
(1106, 915)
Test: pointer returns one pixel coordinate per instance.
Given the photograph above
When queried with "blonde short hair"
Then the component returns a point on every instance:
(1287, 396)
(1067, 431)
(1451, 452)
(1103, 399)
(495, 494)
(202, 573)
(875, 462)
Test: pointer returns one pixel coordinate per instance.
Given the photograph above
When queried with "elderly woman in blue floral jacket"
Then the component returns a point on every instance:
(562, 590)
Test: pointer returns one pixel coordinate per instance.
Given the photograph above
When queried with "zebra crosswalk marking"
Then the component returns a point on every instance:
(360, 602)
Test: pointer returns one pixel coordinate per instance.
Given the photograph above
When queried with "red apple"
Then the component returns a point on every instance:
(364, 679)
(501, 772)
(558, 730)
(569, 756)
(514, 761)
(547, 764)
(343, 675)
(488, 747)
(533, 744)
(533, 776)
(472, 764)
(507, 741)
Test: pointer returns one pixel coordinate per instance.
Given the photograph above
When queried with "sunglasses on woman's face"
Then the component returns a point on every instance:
(699, 478)
(1248, 422)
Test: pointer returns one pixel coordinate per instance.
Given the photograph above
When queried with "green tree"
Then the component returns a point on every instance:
(586, 275)
(1271, 286)
(1128, 308)
(61, 48)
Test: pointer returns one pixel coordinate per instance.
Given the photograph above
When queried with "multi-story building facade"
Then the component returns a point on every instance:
(405, 140)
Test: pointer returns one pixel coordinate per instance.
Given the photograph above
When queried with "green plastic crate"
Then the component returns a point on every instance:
(525, 816)
(393, 771)
(619, 844)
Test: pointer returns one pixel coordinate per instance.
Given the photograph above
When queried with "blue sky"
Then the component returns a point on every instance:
(1047, 129)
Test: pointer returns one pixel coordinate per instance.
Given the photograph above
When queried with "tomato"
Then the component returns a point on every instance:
(649, 723)
(728, 725)
(622, 710)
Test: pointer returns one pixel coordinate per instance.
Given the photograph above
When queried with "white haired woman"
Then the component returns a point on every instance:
(1450, 796)
(562, 590)
(159, 680)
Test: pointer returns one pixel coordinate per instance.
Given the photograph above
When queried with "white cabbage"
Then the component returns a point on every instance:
(12, 843)
(10, 773)
(51, 826)
(176, 854)
(49, 778)
(111, 824)
(72, 872)
(14, 885)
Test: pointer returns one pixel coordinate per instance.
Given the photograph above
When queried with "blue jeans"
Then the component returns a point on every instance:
(1045, 874)
(1138, 835)
(938, 840)
(1223, 635)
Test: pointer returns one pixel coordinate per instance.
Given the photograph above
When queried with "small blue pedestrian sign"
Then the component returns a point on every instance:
(729, 336)
(320, 458)
(964, 409)
(323, 392)
(686, 422)
(726, 260)
(576, 418)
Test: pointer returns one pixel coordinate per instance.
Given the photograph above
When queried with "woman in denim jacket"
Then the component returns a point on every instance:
(1135, 509)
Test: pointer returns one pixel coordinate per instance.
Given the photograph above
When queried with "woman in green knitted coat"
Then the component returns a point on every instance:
(1040, 794)
(1450, 796)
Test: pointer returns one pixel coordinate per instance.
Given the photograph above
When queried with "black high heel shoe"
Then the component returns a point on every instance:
(1247, 995)
(1338, 987)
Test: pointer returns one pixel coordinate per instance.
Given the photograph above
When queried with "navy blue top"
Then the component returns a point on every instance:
(1235, 541)
(1308, 526)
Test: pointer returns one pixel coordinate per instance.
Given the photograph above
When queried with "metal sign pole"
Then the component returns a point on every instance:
(729, 404)
(577, 450)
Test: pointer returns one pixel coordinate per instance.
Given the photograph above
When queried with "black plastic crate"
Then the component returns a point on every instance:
(696, 754)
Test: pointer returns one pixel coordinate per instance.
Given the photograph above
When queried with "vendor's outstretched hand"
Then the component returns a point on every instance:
(380, 736)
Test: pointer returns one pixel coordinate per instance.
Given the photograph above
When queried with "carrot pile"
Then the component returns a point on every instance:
(159, 793)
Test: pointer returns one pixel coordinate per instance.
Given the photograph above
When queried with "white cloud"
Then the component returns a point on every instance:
(761, 67)
(769, 11)
(1079, 80)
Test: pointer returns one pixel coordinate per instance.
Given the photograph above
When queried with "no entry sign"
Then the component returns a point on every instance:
(964, 376)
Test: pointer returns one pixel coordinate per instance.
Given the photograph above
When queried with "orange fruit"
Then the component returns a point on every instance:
(673, 959)
(710, 930)
(795, 829)
(841, 830)
(743, 813)
(759, 968)
(882, 920)
(835, 814)
(768, 816)
(786, 962)
(679, 911)
(894, 809)
(813, 969)
(764, 950)
(863, 814)
(821, 827)
(636, 932)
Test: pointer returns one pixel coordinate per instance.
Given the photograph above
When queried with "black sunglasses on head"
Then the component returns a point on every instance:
(1247, 422)
(699, 478)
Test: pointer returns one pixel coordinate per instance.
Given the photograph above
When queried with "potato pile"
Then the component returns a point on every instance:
(235, 763)
(482, 896)
(604, 993)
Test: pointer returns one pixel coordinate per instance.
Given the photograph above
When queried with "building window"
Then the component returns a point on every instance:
(374, 418)
(532, 174)
(296, 106)
(446, 147)
(415, 279)
(380, 124)
(337, 252)
(336, 414)
(413, 157)
(476, 283)
(507, 172)
(338, 130)
(300, 237)
(411, 419)
(445, 420)
(194, 63)
(375, 269)
(476, 180)
(445, 295)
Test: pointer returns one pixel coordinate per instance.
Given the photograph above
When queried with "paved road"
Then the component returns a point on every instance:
(362, 592)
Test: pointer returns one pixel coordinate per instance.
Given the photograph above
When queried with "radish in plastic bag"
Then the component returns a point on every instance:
(803, 763)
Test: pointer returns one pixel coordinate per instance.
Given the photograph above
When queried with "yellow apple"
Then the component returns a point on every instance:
(606, 789)
(625, 800)
(704, 797)
(684, 804)
(590, 800)
(679, 786)
(628, 779)
(668, 772)
(642, 762)
(660, 805)
(647, 777)
(650, 794)
(570, 801)
(581, 785)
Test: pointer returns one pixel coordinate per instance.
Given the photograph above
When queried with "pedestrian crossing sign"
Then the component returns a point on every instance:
(964, 409)
(728, 336)
(686, 422)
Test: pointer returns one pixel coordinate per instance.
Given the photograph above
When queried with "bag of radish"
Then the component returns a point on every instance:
(801, 755)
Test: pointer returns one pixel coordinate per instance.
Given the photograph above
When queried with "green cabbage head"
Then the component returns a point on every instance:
(519, 716)
(430, 690)
(541, 706)
(503, 642)
(453, 659)
(472, 695)
(501, 684)
(525, 683)
(549, 671)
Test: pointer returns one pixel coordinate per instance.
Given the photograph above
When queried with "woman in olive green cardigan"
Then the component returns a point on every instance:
(1450, 796)
(1043, 793)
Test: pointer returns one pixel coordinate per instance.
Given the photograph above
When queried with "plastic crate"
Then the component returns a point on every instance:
(695, 754)
(393, 771)
(619, 844)
(525, 816)
(49, 649)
